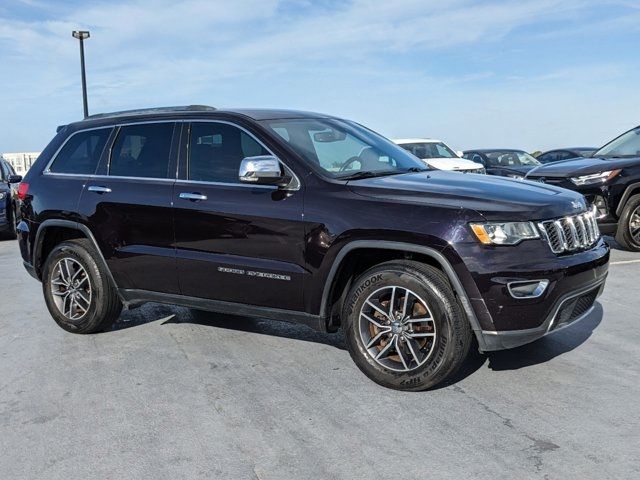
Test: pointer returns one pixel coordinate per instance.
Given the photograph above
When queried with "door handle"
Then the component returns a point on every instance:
(99, 189)
(194, 197)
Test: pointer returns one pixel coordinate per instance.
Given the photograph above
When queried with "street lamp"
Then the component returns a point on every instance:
(82, 36)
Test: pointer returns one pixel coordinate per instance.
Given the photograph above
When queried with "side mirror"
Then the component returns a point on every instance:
(262, 170)
(15, 178)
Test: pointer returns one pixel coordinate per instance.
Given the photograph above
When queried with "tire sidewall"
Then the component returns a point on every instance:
(93, 316)
(442, 308)
(623, 236)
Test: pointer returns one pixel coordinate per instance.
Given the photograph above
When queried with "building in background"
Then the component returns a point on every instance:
(21, 162)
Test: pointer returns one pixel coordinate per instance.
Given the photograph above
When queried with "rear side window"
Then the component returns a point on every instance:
(216, 150)
(81, 154)
(142, 151)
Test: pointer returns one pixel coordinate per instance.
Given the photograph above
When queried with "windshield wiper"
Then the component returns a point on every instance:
(368, 174)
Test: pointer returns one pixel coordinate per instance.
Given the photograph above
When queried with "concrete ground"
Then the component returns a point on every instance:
(169, 394)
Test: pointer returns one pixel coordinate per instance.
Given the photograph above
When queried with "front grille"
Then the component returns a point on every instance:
(575, 308)
(480, 171)
(571, 233)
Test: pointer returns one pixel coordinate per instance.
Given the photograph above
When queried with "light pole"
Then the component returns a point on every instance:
(82, 36)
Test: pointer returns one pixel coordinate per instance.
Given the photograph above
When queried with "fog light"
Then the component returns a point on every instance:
(601, 206)
(527, 288)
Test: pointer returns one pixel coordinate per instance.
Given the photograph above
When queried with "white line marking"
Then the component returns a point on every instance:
(624, 262)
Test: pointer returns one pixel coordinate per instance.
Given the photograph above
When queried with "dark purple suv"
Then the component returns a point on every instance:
(306, 218)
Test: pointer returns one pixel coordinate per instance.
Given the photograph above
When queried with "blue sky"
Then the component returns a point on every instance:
(523, 74)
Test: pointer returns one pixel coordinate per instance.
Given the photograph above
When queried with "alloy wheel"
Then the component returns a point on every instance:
(634, 225)
(71, 288)
(397, 328)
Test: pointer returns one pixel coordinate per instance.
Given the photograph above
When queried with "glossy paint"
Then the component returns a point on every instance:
(502, 171)
(277, 248)
(615, 192)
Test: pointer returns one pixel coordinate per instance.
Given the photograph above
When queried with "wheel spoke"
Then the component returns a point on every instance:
(420, 335)
(84, 299)
(378, 309)
(384, 350)
(410, 343)
(70, 287)
(392, 302)
(400, 353)
(377, 338)
(418, 320)
(376, 323)
(59, 293)
(405, 303)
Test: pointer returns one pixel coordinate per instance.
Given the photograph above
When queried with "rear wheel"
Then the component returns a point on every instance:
(404, 326)
(77, 290)
(628, 233)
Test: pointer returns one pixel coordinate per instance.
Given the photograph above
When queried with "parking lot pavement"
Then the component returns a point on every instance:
(169, 394)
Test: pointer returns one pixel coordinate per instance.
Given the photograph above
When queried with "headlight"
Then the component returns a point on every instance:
(517, 177)
(1, 195)
(595, 178)
(504, 233)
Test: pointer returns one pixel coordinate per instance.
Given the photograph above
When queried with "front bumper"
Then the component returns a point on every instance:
(574, 281)
(570, 309)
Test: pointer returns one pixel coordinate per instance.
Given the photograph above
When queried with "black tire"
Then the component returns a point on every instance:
(12, 233)
(104, 306)
(623, 233)
(453, 335)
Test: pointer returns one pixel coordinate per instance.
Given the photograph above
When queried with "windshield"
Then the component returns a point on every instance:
(512, 158)
(429, 150)
(341, 148)
(626, 145)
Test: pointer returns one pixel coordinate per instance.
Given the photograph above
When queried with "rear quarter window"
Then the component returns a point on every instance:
(81, 153)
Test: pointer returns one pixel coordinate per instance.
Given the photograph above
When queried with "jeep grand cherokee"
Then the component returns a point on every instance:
(307, 218)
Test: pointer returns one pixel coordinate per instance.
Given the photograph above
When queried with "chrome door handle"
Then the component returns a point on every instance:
(192, 196)
(99, 189)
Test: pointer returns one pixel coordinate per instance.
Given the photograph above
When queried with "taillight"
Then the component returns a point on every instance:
(23, 189)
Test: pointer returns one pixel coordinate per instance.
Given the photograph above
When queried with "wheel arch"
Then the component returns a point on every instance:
(435, 256)
(631, 190)
(63, 230)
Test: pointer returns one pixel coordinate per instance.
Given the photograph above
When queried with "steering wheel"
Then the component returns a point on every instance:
(355, 158)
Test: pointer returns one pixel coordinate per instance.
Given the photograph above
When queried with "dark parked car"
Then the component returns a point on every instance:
(8, 181)
(565, 154)
(503, 161)
(610, 180)
(306, 218)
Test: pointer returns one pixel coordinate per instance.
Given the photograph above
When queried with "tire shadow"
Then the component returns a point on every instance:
(548, 347)
(178, 315)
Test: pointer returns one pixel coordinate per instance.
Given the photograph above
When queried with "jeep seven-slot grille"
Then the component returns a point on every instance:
(571, 233)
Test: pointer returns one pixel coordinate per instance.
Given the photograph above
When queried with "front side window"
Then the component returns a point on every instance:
(216, 151)
(514, 158)
(142, 151)
(626, 145)
(81, 154)
(341, 149)
(426, 150)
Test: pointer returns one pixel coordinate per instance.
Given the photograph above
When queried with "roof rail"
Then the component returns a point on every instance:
(152, 111)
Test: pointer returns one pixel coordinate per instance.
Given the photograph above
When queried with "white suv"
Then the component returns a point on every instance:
(436, 154)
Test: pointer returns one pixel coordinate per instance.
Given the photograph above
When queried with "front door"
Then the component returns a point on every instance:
(128, 206)
(235, 242)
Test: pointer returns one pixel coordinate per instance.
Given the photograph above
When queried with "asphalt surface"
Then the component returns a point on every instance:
(168, 394)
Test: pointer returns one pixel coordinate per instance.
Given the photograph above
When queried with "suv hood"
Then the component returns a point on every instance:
(582, 166)
(522, 171)
(452, 164)
(495, 198)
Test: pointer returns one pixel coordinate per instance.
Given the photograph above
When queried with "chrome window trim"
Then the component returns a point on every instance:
(225, 184)
(47, 170)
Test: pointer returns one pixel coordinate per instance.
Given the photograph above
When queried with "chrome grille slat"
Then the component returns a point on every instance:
(571, 233)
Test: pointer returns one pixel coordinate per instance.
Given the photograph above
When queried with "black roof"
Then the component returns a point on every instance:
(200, 110)
(573, 149)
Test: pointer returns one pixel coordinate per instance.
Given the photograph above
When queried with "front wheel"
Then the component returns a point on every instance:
(404, 326)
(77, 290)
(628, 233)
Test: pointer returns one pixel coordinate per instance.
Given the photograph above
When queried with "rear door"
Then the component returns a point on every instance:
(235, 242)
(128, 206)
